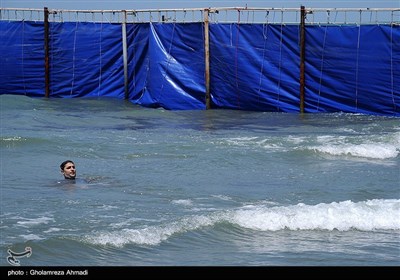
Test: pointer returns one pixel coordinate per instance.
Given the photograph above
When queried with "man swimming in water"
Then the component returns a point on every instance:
(68, 169)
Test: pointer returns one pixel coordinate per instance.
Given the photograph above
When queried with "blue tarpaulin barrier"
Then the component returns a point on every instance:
(348, 68)
(171, 65)
(86, 60)
(22, 58)
(255, 67)
(353, 69)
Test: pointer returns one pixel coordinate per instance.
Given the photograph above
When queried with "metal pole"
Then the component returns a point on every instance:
(125, 55)
(207, 58)
(302, 56)
(46, 53)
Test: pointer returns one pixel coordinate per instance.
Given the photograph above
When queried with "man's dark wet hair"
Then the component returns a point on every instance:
(62, 165)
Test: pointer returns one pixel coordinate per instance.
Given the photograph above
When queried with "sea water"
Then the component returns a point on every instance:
(196, 188)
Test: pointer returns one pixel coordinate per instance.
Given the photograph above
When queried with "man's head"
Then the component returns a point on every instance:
(68, 169)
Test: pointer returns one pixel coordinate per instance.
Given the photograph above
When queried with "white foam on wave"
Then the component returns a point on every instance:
(385, 146)
(240, 141)
(377, 214)
(28, 237)
(15, 138)
(373, 147)
(184, 202)
(151, 235)
(296, 139)
(373, 151)
(35, 221)
(52, 229)
(371, 215)
(222, 197)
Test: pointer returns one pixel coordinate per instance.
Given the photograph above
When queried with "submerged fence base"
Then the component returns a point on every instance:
(270, 65)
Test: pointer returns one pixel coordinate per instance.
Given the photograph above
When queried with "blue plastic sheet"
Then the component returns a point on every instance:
(86, 60)
(173, 61)
(22, 58)
(254, 67)
(353, 69)
(349, 68)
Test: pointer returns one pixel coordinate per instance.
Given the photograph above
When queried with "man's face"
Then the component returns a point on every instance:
(69, 171)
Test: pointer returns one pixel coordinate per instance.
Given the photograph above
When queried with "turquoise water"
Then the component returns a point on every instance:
(194, 188)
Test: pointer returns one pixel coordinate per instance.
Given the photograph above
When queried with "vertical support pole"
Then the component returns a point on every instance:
(207, 58)
(46, 53)
(125, 55)
(302, 57)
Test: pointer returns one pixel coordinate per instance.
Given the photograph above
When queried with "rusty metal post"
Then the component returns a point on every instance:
(302, 56)
(46, 53)
(207, 58)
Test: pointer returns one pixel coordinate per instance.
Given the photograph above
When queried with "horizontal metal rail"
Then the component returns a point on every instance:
(215, 15)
